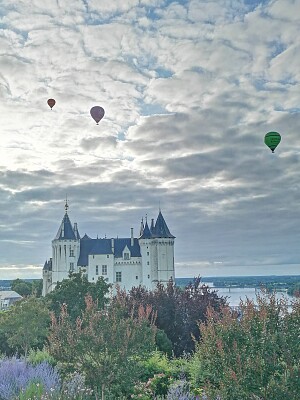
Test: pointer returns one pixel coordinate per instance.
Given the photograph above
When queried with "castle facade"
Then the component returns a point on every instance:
(128, 262)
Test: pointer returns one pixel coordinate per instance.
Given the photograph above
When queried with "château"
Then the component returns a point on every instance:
(128, 262)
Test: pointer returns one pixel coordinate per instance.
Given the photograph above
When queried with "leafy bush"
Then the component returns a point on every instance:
(251, 355)
(181, 391)
(38, 356)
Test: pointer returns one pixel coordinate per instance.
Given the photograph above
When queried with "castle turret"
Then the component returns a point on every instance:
(164, 242)
(47, 277)
(65, 250)
(157, 250)
(149, 269)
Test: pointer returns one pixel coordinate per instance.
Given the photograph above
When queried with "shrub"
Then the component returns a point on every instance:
(253, 355)
(38, 356)
(17, 376)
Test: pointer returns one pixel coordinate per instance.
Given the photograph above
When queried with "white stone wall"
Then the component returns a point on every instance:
(100, 260)
(165, 257)
(62, 259)
(131, 272)
(147, 262)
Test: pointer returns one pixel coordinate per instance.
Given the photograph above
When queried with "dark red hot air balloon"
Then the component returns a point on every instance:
(97, 113)
(51, 103)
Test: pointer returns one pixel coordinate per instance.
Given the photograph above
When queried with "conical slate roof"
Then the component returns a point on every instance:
(66, 230)
(146, 232)
(161, 229)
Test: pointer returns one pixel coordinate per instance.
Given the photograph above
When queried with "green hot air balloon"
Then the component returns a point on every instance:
(272, 140)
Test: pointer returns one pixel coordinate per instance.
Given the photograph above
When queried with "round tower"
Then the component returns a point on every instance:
(65, 250)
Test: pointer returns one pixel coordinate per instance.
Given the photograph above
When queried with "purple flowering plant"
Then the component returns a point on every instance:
(16, 375)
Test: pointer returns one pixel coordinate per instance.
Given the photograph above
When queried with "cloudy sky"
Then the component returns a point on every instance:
(189, 89)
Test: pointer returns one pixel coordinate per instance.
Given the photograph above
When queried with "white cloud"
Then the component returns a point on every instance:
(189, 90)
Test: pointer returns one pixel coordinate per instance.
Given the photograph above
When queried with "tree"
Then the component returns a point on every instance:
(178, 310)
(252, 354)
(294, 290)
(26, 288)
(21, 287)
(37, 287)
(105, 346)
(26, 325)
(71, 292)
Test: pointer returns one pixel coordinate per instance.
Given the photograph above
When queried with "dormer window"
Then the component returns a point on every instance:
(126, 253)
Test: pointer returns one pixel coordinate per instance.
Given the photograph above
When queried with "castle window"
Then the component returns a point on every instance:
(71, 253)
(148, 276)
(97, 270)
(136, 277)
(147, 253)
(104, 269)
(118, 276)
(71, 267)
(147, 262)
(126, 256)
(107, 256)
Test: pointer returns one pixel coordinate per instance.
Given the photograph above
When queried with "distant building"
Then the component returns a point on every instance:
(128, 262)
(7, 298)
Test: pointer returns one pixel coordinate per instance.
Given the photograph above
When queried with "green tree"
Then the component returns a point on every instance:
(253, 354)
(4, 347)
(178, 311)
(37, 287)
(26, 325)
(106, 346)
(22, 287)
(294, 290)
(72, 292)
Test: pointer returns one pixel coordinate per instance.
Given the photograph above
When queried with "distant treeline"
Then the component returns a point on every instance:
(5, 284)
(269, 282)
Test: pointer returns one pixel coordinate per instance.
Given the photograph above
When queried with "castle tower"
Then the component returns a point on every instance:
(157, 251)
(164, 243)
(149, 268)
(47, 277)
(65, 250)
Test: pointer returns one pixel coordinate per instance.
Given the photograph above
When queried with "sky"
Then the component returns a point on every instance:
(189, 89)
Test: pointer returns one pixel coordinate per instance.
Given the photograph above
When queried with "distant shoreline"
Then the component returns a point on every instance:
(275, 282)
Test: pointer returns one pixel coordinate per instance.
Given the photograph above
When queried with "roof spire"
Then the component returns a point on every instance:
(66, 205)
(142, 227)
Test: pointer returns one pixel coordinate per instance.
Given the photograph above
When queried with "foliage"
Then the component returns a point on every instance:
(34, 390)
(106, 346)
(156, 363)
(180, 390)
(253, 353)
(17, 377)
(163, 343)
(4, 347)
(26, 288)
(178, 310)
(37, 356)
(294, 290)
(74, 388)
(26, 324)
(71, 293)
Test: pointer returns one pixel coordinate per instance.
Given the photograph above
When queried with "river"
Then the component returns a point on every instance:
(234, 295)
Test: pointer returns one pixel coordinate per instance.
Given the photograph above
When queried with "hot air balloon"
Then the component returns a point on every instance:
(272, 140)
(97, 113)
(51, 103)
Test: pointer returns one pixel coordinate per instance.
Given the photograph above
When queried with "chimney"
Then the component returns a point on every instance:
(113, 245)
(131, 237)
